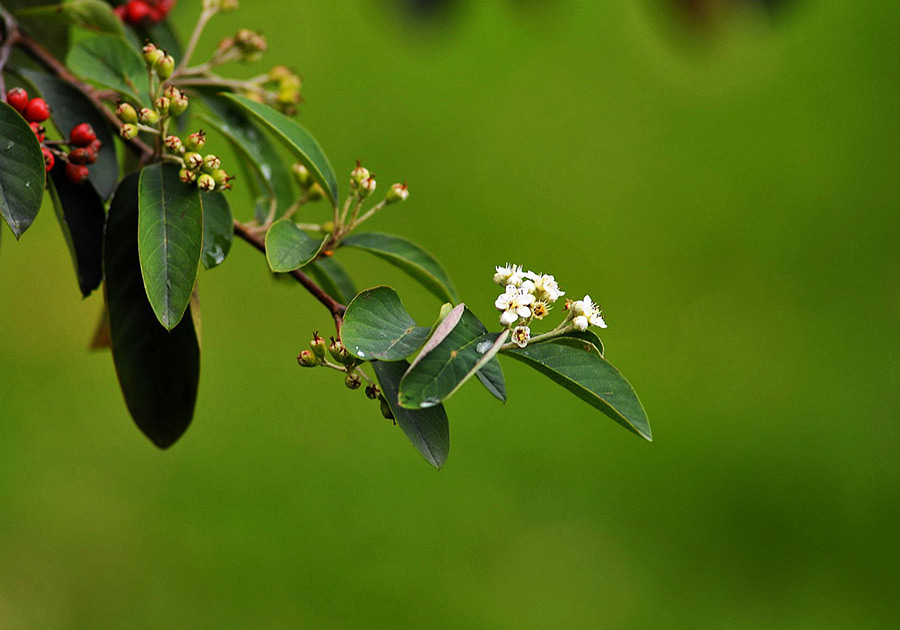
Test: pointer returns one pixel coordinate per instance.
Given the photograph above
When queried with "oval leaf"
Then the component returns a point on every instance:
(298, 139)
(170, 239)
(587, 335)
(408, 257)
(376, 326)
(159, 371)
(69, 108)
(22, 174)
(332, 277)
(81, 216)
(110, 62)
(218, 229)
(288, 247)
(578, 366)
(441, 369)
(427, 429)
(93, 15)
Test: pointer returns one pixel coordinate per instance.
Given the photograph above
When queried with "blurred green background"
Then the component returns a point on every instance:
(730, 196)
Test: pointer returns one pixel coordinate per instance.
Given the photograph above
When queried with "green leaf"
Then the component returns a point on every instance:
(53, 35)
(578, 366)
(218, 229)
(288, 247)
(298, 139)
(446, 362)
(332, 277)
(376, 326)
(427, 429)
(69, 108)
(161, 34)
(159, 371)
(170, 239)
(408, 257)
(81, 216)
(589, 336)
(253, 146)
(22, 174)
(110, 62)
(92, 15)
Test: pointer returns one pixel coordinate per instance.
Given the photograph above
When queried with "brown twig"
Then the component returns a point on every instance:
(335, 308)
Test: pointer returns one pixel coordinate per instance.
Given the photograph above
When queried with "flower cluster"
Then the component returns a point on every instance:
(529, 296)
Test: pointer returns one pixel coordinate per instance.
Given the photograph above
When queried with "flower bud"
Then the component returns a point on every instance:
(315, 192)
(306, 358)
(318, 345)
(279, 73)
(372, 392)
(339, 353)
(165, 66)
(211, 163)
(196, 141)
(173, 144)
(352, 380)
(328, 227)
(152, 54)
(357, 175)
(396, 193)
(193, 160)
(147, 116)
(126, 113)
(302, 175)
(162, 105)
(221, 177)
(206, 183)
(386, 409)
(128, 131)
(367, 187)
(187, 176)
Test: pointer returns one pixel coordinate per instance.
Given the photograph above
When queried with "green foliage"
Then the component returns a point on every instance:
(92, 15)
(21, 171)
(288, 247)
(218, 229)
(110, 62)
(376, 326)
(332, 277)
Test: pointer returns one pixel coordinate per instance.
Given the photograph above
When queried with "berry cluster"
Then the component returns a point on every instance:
(204, 170)
(140, 12)
(82, 143)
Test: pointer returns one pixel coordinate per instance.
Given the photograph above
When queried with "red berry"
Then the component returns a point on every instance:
(17, 98)
(78, 156)
(37, 110)
(120, 12)
(49, 160)
(38, 131)
(77, 173)
(95, 146)
(82, 135)
(136, 11)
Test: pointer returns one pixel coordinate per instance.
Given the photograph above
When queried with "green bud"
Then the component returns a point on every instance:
(306, 358)
(328, 227)
(397, 193)
(372, 392)
(173, 144)
(315, 192)
(162, 106)
(152, 54)
(339, 353)
(302, 175)
(193, 160)
(126, 113)
(165, 66)
(358, 174)
(386, 409)
(206, 183)
(366, 187)
(187, 176)
(196, 141)
(221, 178)
(178, 105)
(318, 345)
(148, 117)
(128, 131)
(352, 380)
(211, 163)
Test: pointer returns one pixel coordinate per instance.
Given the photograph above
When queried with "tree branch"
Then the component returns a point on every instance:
(335, 308)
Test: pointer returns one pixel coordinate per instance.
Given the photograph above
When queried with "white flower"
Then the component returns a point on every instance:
(508, 274)
(515, 303)
(586, 313)
(545, 287)
(521, 335)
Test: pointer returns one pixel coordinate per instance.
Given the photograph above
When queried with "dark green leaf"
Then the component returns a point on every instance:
(22, 174)
(93, 15)
(588, 336)
(170, 239)
(53, 35)
(161, 34)
(410, 258)
(253, 146)
(444, 364)
(218, 229)
(158, 371)
(288, 247)
(110, 62)
(427, 429)
(376, 326)
(81, 216)
(577, 365)
(332, 277)
(70, 107)
(298, 139)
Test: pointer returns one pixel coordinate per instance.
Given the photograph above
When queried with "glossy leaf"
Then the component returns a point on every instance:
(69, 108)
(376, 326)
(159, 371)
(170, 240)
(22, 174)
(408, 257)
(442, 368)
(579, 367)
(52, 34)
(93, 15)
(110, 62)
(589, 336)
(288, 247)
(298, 139)
(253, 146)
(218, 229)
(81, 216)
(427, 429)
(333, 278)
